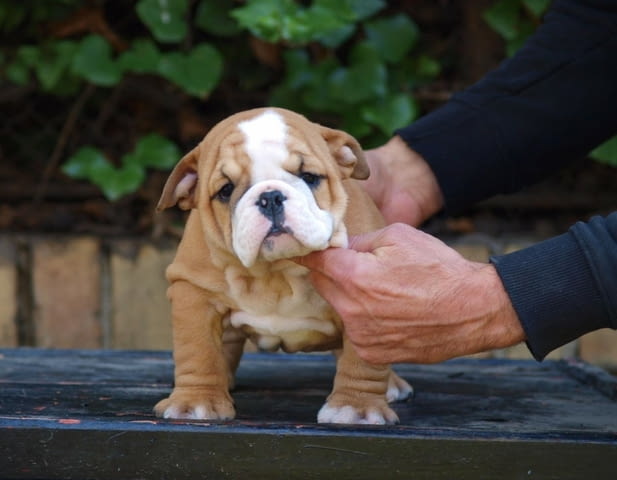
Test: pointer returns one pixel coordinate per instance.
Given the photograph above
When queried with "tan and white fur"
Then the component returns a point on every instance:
(263, 187)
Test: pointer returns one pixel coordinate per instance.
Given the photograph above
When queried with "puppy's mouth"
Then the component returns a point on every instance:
(277, 229)
(277, 237)
(279, 242)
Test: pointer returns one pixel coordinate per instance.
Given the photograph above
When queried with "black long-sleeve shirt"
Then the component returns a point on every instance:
(551, 103)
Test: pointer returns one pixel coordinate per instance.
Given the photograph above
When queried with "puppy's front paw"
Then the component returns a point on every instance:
(196, 404)
(371, 412)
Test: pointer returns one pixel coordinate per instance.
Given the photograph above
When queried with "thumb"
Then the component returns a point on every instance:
(365, 242)
(333, 262)
(372, 241)
(377, 242)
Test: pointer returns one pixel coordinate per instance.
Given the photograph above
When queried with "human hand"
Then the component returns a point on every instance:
(404, 296)
(401, 184)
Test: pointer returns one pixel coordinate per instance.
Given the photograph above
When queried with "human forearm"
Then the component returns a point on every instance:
(549, 104)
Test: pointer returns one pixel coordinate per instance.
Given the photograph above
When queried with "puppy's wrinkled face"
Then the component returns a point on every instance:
(278, 216)
(271, 182)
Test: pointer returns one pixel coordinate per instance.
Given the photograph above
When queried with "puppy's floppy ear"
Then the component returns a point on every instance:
(347, 152)
(181, 186)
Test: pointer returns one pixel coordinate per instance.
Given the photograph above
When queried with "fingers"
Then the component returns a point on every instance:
(339, 263)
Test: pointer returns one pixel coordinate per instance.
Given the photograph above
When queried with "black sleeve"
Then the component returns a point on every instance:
(552, 102)
(566, 286)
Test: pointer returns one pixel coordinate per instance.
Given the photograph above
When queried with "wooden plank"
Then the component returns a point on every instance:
(213, 453)
(87, 414)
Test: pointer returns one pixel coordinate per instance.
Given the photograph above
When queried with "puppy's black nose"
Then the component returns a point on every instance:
(271, 205)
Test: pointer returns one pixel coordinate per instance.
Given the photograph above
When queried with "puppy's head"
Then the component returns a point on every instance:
(267, 184)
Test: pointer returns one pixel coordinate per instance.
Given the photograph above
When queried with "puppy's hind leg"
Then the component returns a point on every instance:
(398, 388)
(359, 392)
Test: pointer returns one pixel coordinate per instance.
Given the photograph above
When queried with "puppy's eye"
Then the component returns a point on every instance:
(311, 179)
(224, 194)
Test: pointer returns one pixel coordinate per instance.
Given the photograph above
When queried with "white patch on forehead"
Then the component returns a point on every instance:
(266, 144)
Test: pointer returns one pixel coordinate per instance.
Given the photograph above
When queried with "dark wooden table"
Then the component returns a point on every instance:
(87, 415)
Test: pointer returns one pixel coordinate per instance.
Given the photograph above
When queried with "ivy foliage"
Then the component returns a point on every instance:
(606, 153)
(515, 20)
(356, 62)
(365, 74)
(370, 69)
(151, 151)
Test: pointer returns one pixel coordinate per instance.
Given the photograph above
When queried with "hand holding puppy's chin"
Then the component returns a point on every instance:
(405, 296)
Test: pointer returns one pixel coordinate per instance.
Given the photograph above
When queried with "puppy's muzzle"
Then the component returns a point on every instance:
(272, 206)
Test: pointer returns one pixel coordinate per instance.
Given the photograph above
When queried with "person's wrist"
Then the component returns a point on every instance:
(504, 328)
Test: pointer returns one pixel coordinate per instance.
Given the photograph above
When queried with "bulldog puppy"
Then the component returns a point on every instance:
(264, 186)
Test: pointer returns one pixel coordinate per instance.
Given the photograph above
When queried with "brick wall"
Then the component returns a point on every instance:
(87, 292)
(83, 292)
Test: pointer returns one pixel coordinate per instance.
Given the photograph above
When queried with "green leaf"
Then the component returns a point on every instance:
(426, 67)
(325, 21)
(329, 22)
(364, 53)
(315, 92)
(537, 7)
(215, 18)
(29, 55)
(365, 8)
(166, 19)
(53, 63)
(606, 152)
(392, 37)
(364, 79)
(156, 152)
(172, 66)
(525, 29)
(87, 162)
(336, 37)
(116, 183)
(358, 84)
(266, 19)
(299, 71)
(197, 72)
(299, 28)
(354, 124)
(394, 112)
(18, 73)
(339, 11)
(93, 62)
(503, 17)
(143, 57)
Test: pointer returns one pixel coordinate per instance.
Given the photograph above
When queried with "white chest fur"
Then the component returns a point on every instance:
(282, 309)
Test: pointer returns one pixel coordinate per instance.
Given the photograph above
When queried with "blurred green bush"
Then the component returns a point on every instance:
(357, 62)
